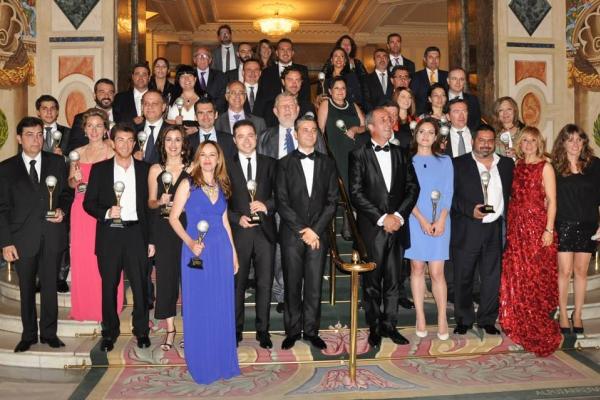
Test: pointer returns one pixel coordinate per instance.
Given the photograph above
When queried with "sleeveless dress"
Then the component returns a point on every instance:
(529, 283)
(86, 283)
(339, 143)
(168, 256)
(208, 294)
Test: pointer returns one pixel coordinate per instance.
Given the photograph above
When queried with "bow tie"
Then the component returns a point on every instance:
(303, 156)
(384, 148)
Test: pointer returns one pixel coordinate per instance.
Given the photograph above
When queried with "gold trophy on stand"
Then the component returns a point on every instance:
(167, 180)
(119, 188)
(485, 181)
(196, 261)
(179, 102)
(251, 185)
(51, 185)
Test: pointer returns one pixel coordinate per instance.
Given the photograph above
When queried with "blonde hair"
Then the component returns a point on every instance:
(537, 135)
(221, 176)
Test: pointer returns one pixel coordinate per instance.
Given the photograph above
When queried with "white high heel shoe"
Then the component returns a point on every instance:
(421, 334)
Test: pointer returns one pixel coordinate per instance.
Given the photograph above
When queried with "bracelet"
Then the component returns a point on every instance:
(549, 230)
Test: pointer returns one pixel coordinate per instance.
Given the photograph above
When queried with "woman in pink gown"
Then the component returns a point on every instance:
(86, 285)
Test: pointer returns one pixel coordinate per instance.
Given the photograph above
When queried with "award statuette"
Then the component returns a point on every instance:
(56, 137)
(485, 181)
(119, 188)
(51, 185)
(506, 139)
(394, 141)
(413, 126)
(179, 102)
(142, 137)
(74, 158)
(196, 262)
(341, 125)
(435, 200)
(167, 180)
(251, 185)
(322, 82)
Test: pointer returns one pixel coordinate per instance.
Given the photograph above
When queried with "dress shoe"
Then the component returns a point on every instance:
(52, 342)
(396, 337)
(490, 329)
(374, 339)
(24, 345)
(443, 336)
(62, 286)
(107, 344)
(461, 329)
(406, 303)
(289, 342)
(421, 334)
(264, 340)
(143, 341)
(565, 331)
(316, 341)
(578, 330)
(279, 308)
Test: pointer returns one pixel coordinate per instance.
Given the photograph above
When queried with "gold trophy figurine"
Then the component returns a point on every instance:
(485, 181)
(56, 137)
(196, 261)
(119, 188)
(435, 200)
(167, 180)
(51, 185)
(251, 185)
(74, 159)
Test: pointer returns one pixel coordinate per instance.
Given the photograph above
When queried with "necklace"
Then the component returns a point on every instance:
(210, 190)
(345, 106)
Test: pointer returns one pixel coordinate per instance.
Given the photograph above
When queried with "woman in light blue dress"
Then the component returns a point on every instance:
(429, 230)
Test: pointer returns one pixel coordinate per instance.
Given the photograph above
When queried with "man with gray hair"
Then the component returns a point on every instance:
(235, 94)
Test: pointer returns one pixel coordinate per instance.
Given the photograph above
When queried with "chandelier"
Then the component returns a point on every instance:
(276, 25)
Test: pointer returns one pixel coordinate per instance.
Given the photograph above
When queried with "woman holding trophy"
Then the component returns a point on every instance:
(163, 180)
(429, 223)
(208, 265)
(86, 285)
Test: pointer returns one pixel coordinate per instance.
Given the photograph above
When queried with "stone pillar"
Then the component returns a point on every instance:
(131, 43)
(458, 43)
(186, 53)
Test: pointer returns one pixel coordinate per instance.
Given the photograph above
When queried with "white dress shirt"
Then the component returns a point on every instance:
(38, 163)
(232, 119)
(454, 140)
(54, 127)
(212, 133)
(241, 73)
(384, 159)
(157, 125)
(452, 95)
(393, 60)
(308, 166)
(282, 150)
(495, 197)
(224, 56)
(128, 200)
(283, 66)
(137, 99)
(383, 81)
(244, 164)
(187, 114)
(200, 72)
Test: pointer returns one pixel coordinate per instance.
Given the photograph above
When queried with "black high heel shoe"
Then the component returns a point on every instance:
(168, 344)
(578, 330)
(565, 330)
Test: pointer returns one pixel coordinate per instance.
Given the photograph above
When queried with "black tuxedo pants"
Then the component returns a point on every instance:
(303, 277)
(485, 255)
(128, 252)
(251, 244)
(45, 265)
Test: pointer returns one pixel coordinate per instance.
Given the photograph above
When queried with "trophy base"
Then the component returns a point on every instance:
(487, 209)
(254, 219)
(117, 223)
(196, 263)
(81, 188)
(51, 214)
(165, 212)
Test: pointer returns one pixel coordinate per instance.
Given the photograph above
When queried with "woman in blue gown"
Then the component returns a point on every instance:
(429, 236)
(207, 293)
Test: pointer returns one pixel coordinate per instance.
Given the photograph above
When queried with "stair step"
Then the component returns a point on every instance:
(9, 288)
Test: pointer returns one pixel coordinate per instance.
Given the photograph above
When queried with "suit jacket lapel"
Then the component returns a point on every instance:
(395, 165)
(370, 153)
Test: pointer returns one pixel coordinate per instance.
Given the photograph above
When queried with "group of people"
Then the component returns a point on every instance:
(232, 169)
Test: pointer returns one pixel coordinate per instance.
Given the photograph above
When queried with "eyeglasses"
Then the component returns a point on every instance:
(202, 56)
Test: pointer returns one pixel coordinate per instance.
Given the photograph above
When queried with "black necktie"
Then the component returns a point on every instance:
(310, 156)
(149, 145)
(251, 99)
(48, 137)
(384, 148)
(206, 136)
(249, 169)
(33, 172)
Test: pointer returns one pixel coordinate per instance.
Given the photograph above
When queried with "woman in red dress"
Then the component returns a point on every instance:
(529, 289)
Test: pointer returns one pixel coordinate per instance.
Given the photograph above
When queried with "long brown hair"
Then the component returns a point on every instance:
(411, 111)
(185, 145)
(559, 153)
(436, 148)
(221, 176)
(496, 113)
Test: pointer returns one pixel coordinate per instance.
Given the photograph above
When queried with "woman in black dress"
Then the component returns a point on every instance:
(578, 199)
(163, 180)
(160, 78)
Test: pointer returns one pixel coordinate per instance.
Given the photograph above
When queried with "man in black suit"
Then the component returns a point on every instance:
(476, 237)
(270, 81)
(383, 190)
(153, 108)
(127, 106)
(377, 84)
(210, 80)
(457, 78)
(251, 76)
(121, 248)
(254, 242)
(206, 116)
(236, 98)
(32, 240)
(224, 55)
(244, 52)
(47, 110)
(394, 44)
(424, 78)
(400, 76)
(307, 195)
(460, 139)
(104, 94)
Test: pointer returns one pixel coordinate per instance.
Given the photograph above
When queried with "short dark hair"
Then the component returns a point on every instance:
(204, 100)
(284, 40)
(140, 65)
(308, 117)
(105, 81)
(388, 103)
(28, 122)
(352, 53)
(157, 59)
(456, 100)
(335, 79)
(184, 69)
(380, 50)
(399, 68)
(45, 97)
(484, 128)
(430, 49)
(457, 69)
(224, 26)
(256, 60)
(247, 44)
(289, 69)
(122, 127)
(243, 122)
(155, 91)
(391, 35)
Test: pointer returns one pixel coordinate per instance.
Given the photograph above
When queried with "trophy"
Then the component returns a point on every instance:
(444, 131)
(142, 137)
(322, 81)
(485, 181)
(444, 120)
(394, 141)
(119, 188)
(251, 186)
(56, 137)
(179, 102)
(167, 180)
(196, 262)
(413, 125)
(435, 200)
(506, 139)
(74, 158)
(341, 125)
(51, 185)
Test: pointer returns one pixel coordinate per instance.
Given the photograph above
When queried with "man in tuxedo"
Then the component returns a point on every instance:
(32, 240)
(47, 110)
(424, 78)
(206, 116)
(125, 247)
(254, 242)
(476, 237)
(460, 139)
(394, 45)
(104, 94)
(270, 81)
(211, 81)
(236, 97)
(383, 190)
(127, 106)
(224, 55)
(251, 75)
(307, 195)
(400, 76)
(244, 53)
(153, 109)
(377, 84)
(457, 78)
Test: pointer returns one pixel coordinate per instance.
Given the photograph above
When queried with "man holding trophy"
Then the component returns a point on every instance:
(33, 196)
(116, 197)
(482, 184)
